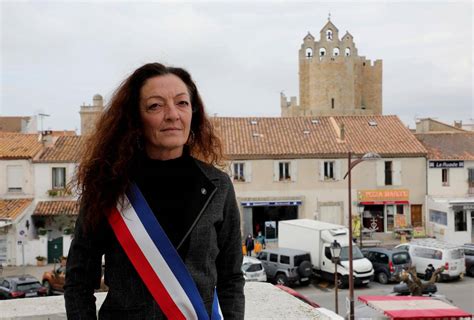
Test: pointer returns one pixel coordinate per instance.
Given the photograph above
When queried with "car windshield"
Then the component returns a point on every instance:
(457, 254)
(301, 258)
(356, 253)
(401, 258)
(28, 286)
(251, 267)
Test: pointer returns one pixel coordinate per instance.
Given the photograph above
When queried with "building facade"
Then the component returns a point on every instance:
(334, 79)
(450, 185)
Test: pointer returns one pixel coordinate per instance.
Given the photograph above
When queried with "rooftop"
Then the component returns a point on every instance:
(448, 145)
(65, 149)
(56, 208)
(11, 208)
(19, 145)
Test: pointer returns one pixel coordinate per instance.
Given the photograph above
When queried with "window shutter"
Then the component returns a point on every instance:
(248, 171)
(337, 170)
(321, 170)
(397, 173)
(293, 170)
(15, 177)
(380, 168)
(275, 171)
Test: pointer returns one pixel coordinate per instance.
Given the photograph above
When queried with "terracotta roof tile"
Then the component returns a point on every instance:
(57, 208)
(19, 145)
(12, 124)
(448, 145)
(12, 208)
(65, 149)
(254, 137)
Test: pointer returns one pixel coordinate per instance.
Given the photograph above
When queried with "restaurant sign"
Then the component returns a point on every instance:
(383, 196)
(446, 164)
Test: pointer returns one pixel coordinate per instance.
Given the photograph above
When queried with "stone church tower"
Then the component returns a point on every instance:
(334, 79)
(90, 114)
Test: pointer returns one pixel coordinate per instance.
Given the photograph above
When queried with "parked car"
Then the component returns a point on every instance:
(387, 263)
(469, 256)
(401, 289)
(54, 280)
(253, 269)
(286, 266)
(13, 287)
(438, 253)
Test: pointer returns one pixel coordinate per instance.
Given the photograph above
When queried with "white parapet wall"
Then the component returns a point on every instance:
(262, 301)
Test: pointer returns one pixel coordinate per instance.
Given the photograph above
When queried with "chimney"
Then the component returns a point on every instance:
(458, 124)
(47, 138)
(343, 132)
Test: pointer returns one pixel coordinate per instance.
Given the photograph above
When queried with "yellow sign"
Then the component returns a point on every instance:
(383, 195)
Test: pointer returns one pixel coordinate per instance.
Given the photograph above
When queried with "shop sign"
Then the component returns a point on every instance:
(396, 195)
(446, 164)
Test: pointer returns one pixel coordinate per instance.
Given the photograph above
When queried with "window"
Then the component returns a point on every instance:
(335, 52)
(470, 177)
(284, 259)
(400, 208)
(273, 257)
(332, 103)
(439, 217)
(239, 171)
(381, 258)
(329, 170)
(445, 177)
(401, 258)
(327, 253)
(460, 221)
(388, 173)
(59, 178)
(322, 52)
(309, 52)
(284, 171)
(329, 35)
(262, 256)
(15, 178)
(348, 52)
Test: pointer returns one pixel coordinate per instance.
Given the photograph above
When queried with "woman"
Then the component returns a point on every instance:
(167, 223)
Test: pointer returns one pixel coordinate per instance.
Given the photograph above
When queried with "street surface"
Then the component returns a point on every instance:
(461, 293)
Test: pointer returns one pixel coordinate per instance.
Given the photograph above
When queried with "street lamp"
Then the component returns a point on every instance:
(335, 254)
(351, 164)
(360, 208)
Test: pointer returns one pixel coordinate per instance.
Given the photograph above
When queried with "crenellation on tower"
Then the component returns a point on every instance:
(334, 79)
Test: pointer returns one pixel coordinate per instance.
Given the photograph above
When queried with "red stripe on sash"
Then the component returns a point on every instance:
(143, 267)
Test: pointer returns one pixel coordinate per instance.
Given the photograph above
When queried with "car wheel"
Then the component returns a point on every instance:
(47, 285)
(341, 281)
(382, 278)
(281, 279)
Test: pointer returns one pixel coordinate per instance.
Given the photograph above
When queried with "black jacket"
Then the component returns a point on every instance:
(213, 258)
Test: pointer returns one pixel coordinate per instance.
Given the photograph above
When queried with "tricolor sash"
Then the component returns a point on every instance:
(157, 261)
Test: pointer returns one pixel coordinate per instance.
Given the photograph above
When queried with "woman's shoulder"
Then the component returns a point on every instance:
(211, 171)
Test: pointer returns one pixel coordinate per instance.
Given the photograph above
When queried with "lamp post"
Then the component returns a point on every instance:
(335, 254)
(350, 165)
(360, 208)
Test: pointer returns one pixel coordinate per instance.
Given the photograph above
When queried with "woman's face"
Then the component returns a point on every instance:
(166, 112)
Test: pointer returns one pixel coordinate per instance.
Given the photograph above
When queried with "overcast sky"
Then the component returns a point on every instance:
(56, 55)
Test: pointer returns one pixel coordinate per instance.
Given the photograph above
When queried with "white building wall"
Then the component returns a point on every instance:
(27, 179)
(458, 181)
(44, 180)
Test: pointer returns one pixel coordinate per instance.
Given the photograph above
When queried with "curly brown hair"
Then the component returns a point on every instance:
(105, 169)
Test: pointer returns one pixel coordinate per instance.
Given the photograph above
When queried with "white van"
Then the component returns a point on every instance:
(438, 253)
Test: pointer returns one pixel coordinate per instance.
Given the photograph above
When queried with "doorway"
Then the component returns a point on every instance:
(416, 217)
(265, 219)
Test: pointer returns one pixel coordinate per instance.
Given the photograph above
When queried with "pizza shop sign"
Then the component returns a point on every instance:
(446, 164)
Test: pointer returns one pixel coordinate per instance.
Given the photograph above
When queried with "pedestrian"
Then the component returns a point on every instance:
(167, 223)
(249, 244)
(261, 239)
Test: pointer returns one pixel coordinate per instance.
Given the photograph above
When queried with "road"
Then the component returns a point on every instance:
(460, 292)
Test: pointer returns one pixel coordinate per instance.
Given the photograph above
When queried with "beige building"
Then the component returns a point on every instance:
(334, 79)
(288, 168)
(90, 114)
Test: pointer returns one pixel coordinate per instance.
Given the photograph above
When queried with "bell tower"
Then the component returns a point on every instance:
(334, 79)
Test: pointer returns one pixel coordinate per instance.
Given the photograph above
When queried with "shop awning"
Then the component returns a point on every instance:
(411, 307)
(276, 203)
(383, 202)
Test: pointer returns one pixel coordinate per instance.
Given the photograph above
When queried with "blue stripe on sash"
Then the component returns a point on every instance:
(168, 251)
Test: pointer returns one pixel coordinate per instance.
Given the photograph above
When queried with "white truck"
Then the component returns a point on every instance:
(316, 237)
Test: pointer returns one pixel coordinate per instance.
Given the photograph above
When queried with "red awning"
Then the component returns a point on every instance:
(409, 307)
(383, 202)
